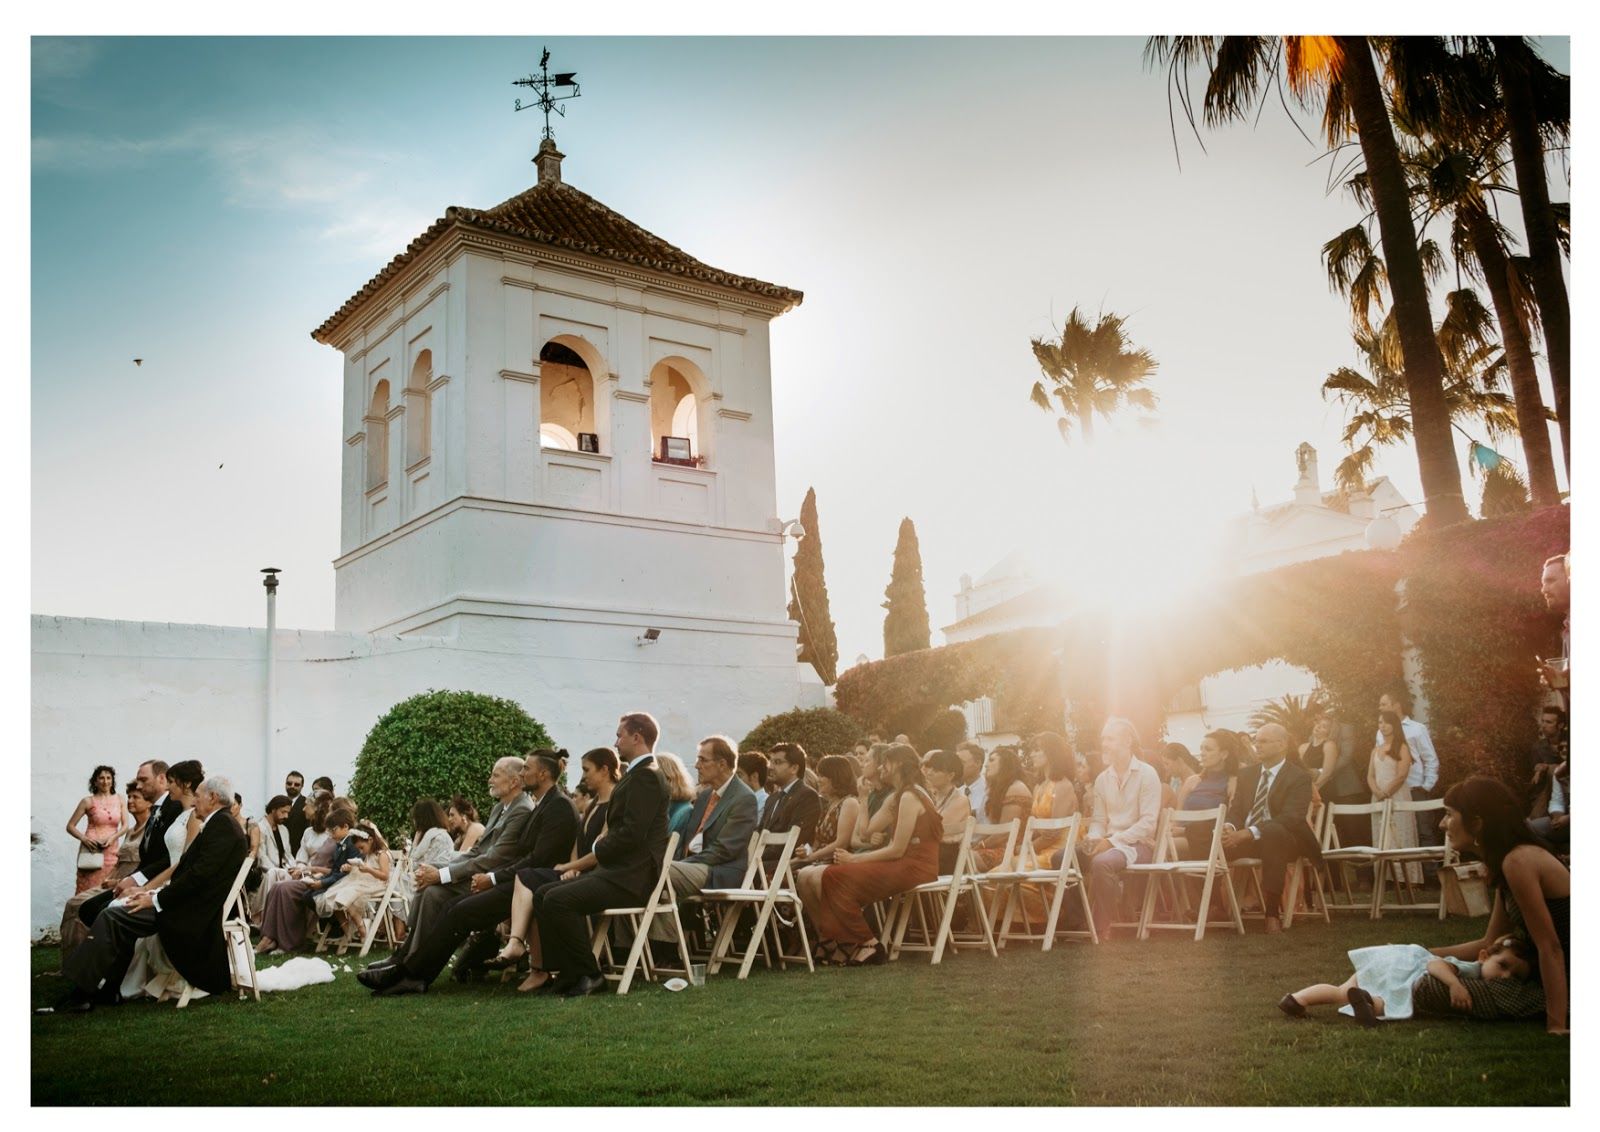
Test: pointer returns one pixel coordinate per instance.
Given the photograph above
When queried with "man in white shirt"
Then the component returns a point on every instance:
(1423, 777)
(973, 782)
(1125, 805)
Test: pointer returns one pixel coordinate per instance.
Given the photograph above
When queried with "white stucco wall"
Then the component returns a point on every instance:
(119, 692)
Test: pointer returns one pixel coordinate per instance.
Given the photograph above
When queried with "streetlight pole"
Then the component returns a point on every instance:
(270, 582)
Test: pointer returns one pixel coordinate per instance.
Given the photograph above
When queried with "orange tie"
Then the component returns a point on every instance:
(705, 817)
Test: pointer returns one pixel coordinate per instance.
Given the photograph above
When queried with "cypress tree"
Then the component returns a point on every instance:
(905, 626)
(808, 592)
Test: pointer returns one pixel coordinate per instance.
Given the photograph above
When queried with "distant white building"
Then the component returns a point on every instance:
(558, 487)
(1313, 523)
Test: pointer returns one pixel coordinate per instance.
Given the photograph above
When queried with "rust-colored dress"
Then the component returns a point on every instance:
(847, 889)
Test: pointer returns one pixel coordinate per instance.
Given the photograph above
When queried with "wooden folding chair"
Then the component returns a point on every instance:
(382, 921)
(1350, 857)
(1393, 859)
(939, 898)
(1051, 884)
(235, 938)
(660, 902)
(766, 893)
(992, 887)
(1250, 868)
(1171, 869)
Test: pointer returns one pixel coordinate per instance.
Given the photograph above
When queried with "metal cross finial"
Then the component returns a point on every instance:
(542, 84)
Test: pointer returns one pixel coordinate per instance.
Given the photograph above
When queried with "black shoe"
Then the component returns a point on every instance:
(1361, 1003)
(1290, 1005)
(404, 986)
(382, 964)
(468, 972)
(583, 985)
(552, 986)
(381, 978)
(73, 1002)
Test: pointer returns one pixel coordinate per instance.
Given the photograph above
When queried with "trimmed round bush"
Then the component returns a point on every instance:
(434, 745)
(821, 731)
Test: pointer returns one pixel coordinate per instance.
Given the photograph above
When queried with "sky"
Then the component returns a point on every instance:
(203, 204)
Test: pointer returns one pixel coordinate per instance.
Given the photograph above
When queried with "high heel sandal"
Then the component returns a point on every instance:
(501, 961)
(872, 959)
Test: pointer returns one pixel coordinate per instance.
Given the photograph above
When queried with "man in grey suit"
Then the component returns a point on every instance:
(717, 846)
(439, 888)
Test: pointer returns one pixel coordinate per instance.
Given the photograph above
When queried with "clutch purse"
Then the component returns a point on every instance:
(90, 860)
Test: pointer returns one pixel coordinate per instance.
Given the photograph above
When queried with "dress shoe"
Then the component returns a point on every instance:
(1361, 1003)
(380, 978)
(404, 986)
(1290, 1005)
(380, 964)
(74, 1002)
(468, 972)
(583, 985)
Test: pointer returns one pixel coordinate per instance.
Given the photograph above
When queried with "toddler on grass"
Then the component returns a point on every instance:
(1380, 990)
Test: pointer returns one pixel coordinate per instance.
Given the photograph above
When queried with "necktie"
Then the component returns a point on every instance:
(769, 812)
(1258, 808)
(705, 817)
(277, 839)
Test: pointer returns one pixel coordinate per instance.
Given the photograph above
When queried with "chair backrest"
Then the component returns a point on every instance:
(235, 893)
(1036, 826)
(756, 874)
(1330, 826)
(1166, 844)
(1008, 830)
(963, 864)
(661, 895)
(1422, 806)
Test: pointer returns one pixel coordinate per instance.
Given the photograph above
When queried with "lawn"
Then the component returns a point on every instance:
(1169, 1022)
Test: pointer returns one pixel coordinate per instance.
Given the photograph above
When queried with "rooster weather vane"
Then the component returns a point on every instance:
(542, 84)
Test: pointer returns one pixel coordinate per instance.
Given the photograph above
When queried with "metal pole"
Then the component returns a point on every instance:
(267, 764)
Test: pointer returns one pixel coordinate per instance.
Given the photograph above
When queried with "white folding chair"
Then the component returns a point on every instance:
(1393, 859)
(766, 893)
(991, 887)
(1250, 868)
(942, 896)
(388, 911)
(1168, 867)
(236, 939)
(1050, 883)
(1335, 854)
(660, 903)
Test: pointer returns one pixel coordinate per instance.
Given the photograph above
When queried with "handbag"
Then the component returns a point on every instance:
(90, 860)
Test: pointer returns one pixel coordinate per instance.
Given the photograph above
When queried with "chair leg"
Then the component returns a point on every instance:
(759, 932)
(944, 925)
(1203, 913)
(724, 939)
(1146, 909)
(1233, 902)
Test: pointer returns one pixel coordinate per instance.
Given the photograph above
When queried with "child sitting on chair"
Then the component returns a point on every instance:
(1380, 990)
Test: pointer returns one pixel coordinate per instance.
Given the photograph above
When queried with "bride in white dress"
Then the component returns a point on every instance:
(150, 972)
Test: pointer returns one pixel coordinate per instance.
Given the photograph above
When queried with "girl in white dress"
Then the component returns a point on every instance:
(1380, 990)
(363, 883)
(1386, 778)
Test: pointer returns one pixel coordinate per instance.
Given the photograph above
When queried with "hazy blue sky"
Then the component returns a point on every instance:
(203, 204)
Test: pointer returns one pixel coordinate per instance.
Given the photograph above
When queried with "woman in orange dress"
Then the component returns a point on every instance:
(858, 879)
(1008, 797)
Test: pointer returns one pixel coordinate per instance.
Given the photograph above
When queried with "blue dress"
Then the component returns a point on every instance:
(1389, 971)
(1209, 793)
(678, 816)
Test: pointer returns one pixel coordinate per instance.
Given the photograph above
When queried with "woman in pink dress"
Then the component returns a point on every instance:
(103, 807)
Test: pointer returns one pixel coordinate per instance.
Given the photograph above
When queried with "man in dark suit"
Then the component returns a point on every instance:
(546, 843)
(151, 782)
(1268, 818)
(795, 805)
(186, 913)
(440, 888)
(293, 783)
(621, 870)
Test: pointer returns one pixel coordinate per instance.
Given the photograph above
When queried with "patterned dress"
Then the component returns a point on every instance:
(1496, 999)
(105, 821)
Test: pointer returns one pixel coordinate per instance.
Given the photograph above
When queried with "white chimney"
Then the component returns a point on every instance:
(1308, 490)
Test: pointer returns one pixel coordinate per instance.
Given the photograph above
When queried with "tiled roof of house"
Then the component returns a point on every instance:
(558, 215)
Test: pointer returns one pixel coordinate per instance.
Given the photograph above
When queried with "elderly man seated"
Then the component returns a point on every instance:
(186, 913)
(1267, 819)
(720, 824)
(439, 888)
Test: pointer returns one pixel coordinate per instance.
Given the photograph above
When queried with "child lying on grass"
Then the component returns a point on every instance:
(1381, 987)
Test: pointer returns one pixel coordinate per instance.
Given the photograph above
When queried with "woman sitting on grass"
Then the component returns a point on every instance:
(1533, 892)
(1381, 987)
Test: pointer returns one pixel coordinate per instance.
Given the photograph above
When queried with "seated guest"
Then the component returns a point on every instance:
(836, 776)
(680, 791)
(1124, 809)
(942, 769)
(1007, 798)
(273, 856)
(795, 805)
(322, 786)
(872, 778)
(1213, 786)
(1176, 765)
(251, 833)
(1268, 817)
(461, 819)
(973, 781)
(186, 914)
(316, 846)
(622, 869)
(1550, 748)
(73, 929)
(1055, 763)
(546, 842)
(165, 811)
(857, 879)
(150, 972)
(285, 914)
(753, 770)
(431, 843)
(1550, 816)
(365, 879)
(440, 887)
(723, 817)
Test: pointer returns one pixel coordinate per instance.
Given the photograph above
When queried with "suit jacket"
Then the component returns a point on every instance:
(799, 807)
(725, 840)
(350, 849)
(297, 823)
(629, 854)
(153, 856)
(501, 843)
(1287, 803)
(548, 839)
(189, 920)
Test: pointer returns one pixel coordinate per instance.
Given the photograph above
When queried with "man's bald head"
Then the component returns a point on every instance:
(1272, 743)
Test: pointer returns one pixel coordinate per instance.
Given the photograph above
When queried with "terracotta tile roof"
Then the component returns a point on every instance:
(561, 216)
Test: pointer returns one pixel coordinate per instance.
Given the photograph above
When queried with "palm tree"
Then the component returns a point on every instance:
(1380, 412)
(1089, 370)
(1339, 74)
(1294, 714)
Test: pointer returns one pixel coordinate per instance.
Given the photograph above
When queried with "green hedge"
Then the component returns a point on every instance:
(821, 731)
(434, 745)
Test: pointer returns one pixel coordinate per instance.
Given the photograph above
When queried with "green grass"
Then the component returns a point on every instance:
(1168, 1022)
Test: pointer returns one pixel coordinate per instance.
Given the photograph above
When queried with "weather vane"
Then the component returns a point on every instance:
(542, 83)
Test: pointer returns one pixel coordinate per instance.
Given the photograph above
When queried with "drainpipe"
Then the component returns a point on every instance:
(267, 765)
